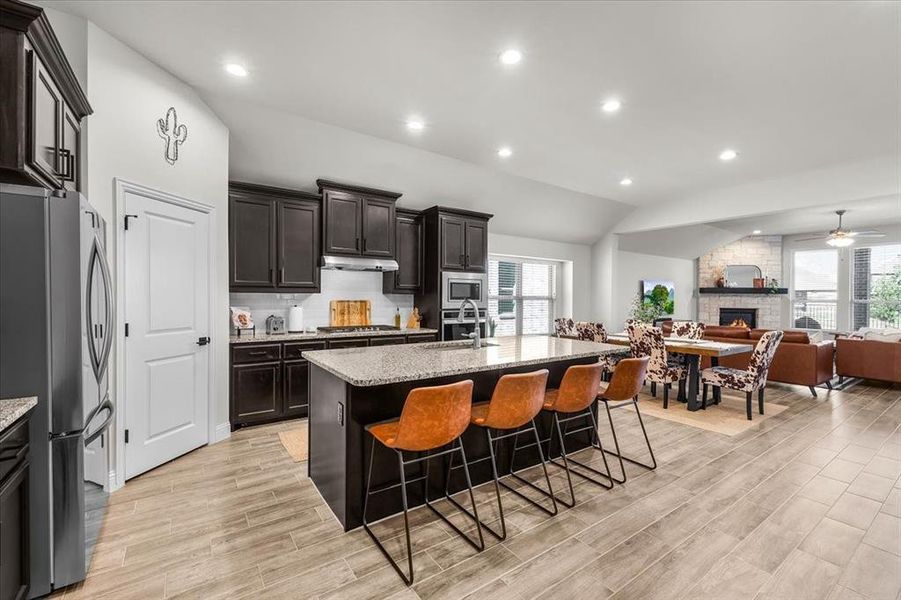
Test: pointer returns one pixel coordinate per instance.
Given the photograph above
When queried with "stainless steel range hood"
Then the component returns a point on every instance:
(356, 263)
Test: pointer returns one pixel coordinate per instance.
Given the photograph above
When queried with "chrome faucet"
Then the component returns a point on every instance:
(474, 336)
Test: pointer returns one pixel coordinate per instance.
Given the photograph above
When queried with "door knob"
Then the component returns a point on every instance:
(203, 341)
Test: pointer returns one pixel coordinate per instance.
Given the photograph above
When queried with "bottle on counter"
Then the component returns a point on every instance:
(397, 318)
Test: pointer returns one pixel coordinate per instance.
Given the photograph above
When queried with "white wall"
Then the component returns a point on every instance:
(574, 282)
(631, 267)
(128, 94)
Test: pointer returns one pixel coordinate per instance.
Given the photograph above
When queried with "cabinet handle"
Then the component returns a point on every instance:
(463, 259)
(281, 275)
(467, 261)
(271, 275)
(364, 244)
(357, 244)
(257, 353)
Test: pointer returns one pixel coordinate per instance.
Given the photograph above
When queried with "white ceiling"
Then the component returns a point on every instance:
(793, 86)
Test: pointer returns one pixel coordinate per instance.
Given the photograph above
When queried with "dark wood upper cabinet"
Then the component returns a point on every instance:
(378, 227)
(357, 221)
(41, 102)
(408, 254)
(476, 245)
(343, 225)
(298, 243)
(251, 240)
(452, 232)
(274, 240)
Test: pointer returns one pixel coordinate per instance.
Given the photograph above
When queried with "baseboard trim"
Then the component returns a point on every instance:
(113, 481)
(223, 432)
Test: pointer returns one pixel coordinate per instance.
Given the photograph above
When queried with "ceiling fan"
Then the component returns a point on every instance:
(841, 237)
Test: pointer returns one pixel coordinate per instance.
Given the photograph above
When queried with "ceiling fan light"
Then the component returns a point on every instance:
(840, 242)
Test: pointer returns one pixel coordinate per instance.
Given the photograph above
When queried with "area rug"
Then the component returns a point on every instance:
(295, 442)
(728, 417)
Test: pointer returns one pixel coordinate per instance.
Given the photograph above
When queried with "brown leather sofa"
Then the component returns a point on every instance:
(868, 359)
(798, 360)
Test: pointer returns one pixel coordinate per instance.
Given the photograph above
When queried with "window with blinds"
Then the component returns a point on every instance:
(815, 287)
(521, 295)
(876, 286)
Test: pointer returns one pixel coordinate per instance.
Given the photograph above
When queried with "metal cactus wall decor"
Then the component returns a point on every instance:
(173, 133)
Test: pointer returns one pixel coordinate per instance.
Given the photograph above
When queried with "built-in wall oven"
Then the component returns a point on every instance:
(457, 288)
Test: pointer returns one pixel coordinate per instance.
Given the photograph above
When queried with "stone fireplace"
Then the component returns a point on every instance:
(739, 317)
(765, 251)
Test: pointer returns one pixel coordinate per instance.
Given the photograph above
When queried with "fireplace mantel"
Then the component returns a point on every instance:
(725, 291)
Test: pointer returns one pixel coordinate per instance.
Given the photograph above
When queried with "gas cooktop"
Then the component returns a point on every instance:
(357, 328)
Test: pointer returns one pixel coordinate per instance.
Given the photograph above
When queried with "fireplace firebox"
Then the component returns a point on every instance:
(739, 317)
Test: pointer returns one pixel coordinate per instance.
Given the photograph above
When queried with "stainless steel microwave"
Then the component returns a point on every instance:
(457, 287)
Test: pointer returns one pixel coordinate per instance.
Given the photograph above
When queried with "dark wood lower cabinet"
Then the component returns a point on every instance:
(297, 392)
(14, 534)
(270, 381)
(256, 393)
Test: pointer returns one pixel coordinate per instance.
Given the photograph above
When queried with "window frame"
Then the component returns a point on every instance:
(852, 265)
(518, 297)
(836, 303)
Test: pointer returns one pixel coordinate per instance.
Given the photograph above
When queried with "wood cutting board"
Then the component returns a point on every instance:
(350, 312)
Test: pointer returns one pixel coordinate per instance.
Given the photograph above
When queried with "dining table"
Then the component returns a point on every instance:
(692, 350)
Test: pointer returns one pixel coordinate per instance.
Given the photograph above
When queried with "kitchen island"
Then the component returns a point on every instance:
(353, 387)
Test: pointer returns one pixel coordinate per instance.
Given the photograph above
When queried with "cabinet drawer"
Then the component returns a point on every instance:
(357, 343)
(294, 350)
(13, 447)
(247, 354)
(422, 337)
(388, 340)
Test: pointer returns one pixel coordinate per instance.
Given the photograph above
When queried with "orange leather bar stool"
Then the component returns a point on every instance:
(573, 401)
(628, 377)
(515, 402)
(432, 419)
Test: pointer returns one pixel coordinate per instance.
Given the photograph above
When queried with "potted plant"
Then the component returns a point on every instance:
(645, 312)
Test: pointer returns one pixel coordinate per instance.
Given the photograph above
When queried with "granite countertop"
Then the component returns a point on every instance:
(320, 335)
(13, 408)
(392, 364)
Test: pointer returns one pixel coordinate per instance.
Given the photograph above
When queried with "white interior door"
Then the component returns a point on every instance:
(167, 305)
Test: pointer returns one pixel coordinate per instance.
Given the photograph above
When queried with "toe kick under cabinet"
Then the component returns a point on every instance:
(270, 380)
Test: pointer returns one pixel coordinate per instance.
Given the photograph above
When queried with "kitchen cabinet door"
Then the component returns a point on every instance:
(46, 112)
(252, 242)
(378, 227)
(408, 254)
(476, 245)
(296, 391)
(256, 392)
(453, 246)
(343, 223)
(387, 340)
(298, 245)
(342, 343)
(14, 542)
(70, 158)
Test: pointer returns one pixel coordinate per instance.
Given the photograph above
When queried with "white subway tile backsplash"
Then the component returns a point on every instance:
(336, 285)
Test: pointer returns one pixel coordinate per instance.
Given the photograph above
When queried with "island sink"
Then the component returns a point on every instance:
(354, 387)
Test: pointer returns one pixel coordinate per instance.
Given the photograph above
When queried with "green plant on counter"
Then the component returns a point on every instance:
(645, 312)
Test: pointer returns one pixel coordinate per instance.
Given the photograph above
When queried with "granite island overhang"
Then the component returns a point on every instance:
(354, 387)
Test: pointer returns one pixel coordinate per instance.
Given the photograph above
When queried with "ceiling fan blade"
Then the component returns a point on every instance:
(810, 239)
(869, 234)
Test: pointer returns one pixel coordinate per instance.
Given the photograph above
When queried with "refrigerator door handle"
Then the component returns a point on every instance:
(105, 405)
(99, 361)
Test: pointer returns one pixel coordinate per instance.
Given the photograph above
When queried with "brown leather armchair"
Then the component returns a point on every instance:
(868, 359)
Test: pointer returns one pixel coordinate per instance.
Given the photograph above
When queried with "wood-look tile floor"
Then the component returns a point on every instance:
(805, 505)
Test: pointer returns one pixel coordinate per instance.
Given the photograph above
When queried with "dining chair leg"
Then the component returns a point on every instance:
(704, 397)
(654, 390)
(760, 400)
(666, 388)
(749, 396)
(681, 396)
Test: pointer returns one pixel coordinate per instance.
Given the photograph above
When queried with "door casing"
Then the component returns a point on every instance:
(122, 187)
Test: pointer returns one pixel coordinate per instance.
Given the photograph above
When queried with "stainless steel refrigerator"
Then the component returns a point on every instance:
(56, 334)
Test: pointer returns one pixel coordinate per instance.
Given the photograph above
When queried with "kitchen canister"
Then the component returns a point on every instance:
(295, 319)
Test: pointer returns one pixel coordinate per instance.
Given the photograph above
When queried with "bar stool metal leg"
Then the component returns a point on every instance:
(541, 456)
(561, 434)
(618, 453)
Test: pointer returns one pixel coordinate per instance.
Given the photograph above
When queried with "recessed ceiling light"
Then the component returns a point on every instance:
(625, 181)
(415, 125)
(611, 106)
(236, 70)
(756, 232)
(505, 152)
(510, 57)
(728, 154)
